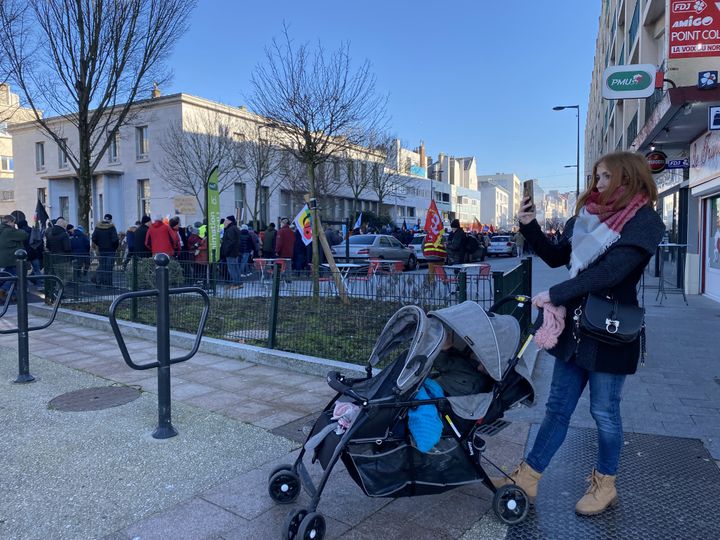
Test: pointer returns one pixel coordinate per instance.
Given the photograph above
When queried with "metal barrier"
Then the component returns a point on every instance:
(21, 279)
(515, 282)
(162, 291)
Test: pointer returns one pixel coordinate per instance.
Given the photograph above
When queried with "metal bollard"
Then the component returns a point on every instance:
(165, 429)
(23, 329)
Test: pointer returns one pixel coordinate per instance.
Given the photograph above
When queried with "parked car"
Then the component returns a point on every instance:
(378, 246)
(502, 245)
(417, 245)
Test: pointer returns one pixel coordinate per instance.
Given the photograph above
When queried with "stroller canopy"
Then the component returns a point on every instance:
(493, 339)
(425, 337)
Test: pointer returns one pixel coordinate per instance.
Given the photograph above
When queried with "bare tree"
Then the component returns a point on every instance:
(319, 104)
(192, 149)
(386, 180)
(88, 62)
(357, 177)
(262, 165)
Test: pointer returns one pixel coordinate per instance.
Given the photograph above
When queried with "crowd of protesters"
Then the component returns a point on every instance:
(71, 250)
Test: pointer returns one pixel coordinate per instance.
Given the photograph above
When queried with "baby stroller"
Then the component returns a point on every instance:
(377, 447)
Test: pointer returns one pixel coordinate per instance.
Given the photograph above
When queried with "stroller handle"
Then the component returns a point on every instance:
(519, 298)
(336, 382)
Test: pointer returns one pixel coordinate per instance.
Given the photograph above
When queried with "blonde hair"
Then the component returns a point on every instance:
(627, 169)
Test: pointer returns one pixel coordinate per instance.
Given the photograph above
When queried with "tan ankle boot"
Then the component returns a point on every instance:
(600, 495)
(525, 477)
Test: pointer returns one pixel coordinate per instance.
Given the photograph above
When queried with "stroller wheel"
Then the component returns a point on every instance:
(284, 486)
(283, 467)
(312, 527)
(292, 523)
(510, 504)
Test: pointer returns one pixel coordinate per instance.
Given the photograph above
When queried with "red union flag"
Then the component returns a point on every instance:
(694, 28)
(433, 246)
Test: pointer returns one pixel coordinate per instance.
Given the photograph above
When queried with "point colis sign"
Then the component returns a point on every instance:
(694, 28)
(625, 82)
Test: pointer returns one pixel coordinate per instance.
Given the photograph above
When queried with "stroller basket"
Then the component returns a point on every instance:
(397, 469)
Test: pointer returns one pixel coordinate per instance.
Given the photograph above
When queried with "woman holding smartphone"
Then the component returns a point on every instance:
(606, 246)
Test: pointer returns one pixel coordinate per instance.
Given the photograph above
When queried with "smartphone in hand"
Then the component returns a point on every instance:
(528, 191)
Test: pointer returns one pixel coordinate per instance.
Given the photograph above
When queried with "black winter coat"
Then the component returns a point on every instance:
(58, 240)
(618, 270)
(230, 246)
(246, 243)
(139, 246)
(105, 237)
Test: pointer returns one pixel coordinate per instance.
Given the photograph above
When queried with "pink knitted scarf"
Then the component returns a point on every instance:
(553, 324)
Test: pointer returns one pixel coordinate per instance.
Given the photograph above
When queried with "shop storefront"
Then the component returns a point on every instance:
(705, 185)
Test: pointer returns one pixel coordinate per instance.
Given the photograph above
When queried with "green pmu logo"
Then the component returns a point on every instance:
(629, 80)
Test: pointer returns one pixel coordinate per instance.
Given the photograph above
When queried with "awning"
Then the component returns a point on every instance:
(680, 117)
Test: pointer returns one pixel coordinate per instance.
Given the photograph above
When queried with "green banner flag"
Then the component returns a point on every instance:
(213, 215)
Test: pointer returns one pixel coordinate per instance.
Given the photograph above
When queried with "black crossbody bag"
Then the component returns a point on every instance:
(605, 319)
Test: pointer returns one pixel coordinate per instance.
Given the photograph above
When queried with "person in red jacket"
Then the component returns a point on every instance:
(161, 239)
(285, 240)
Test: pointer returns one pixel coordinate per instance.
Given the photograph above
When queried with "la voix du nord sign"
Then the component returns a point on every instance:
(625, 82)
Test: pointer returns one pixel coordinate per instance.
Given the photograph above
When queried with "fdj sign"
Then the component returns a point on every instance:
(623, 82)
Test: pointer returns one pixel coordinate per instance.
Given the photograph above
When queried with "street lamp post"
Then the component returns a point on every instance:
(577, 149)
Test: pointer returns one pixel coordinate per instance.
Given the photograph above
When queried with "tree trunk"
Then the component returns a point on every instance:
(84, 188)
(315, 228)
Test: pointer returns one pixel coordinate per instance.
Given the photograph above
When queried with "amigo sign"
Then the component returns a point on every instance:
(634, 81)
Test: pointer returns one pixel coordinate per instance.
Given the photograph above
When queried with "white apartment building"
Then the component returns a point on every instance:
(455, 189)
(10, 113)
(495, 205)
(128, 185)
(512, 185)
(682, 39)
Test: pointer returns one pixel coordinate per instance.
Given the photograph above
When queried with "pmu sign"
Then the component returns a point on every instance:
(633, 81)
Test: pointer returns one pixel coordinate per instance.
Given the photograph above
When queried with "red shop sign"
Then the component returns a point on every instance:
(694, 28)
(657, 161)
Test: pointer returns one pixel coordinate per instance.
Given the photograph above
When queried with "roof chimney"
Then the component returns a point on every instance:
(423, 159)
(156, 91)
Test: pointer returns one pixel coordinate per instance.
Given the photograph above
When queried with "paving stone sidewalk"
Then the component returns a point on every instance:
(677, 393)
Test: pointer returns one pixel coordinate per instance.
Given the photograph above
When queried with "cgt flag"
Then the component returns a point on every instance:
(433, 246)
(303, 222)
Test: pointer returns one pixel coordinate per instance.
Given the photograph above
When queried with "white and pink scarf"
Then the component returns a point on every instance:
(598, 226)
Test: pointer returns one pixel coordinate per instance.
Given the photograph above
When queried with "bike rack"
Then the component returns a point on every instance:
(23, 328)
(165, 429)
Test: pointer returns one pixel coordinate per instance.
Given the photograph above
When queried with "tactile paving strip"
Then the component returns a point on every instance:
(669, 488)
(94, 399)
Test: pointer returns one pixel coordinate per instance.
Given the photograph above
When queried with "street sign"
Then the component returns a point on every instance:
(713, 118)
(633, 81)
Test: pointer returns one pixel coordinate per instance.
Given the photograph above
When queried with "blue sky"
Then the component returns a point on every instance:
(473, 78)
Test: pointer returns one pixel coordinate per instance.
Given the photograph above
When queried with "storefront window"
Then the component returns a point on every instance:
(714, 236)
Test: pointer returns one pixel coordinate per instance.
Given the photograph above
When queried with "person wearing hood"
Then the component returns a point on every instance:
(58, 240)
(161, 239)
(11, 239)
(80, 245)
(105, 238)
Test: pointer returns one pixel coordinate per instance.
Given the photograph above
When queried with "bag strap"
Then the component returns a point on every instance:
(643, 341)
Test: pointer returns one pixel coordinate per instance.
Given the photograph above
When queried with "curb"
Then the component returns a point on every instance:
(300, 363)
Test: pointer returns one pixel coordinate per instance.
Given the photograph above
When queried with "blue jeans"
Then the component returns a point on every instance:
(233, 269)
(568, 383)
(244, 258)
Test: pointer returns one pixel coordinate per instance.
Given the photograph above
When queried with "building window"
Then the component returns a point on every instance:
(3, 128)
(240, 200)
(141, 142)
(6, 163)
(713, 248)
(113, 150)
(39, 156)
(42, 195)
(7, 195)
(143, 198)
(62, 154)
(65, 207)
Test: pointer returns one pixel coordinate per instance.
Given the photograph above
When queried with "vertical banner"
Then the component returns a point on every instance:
(213, 216)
